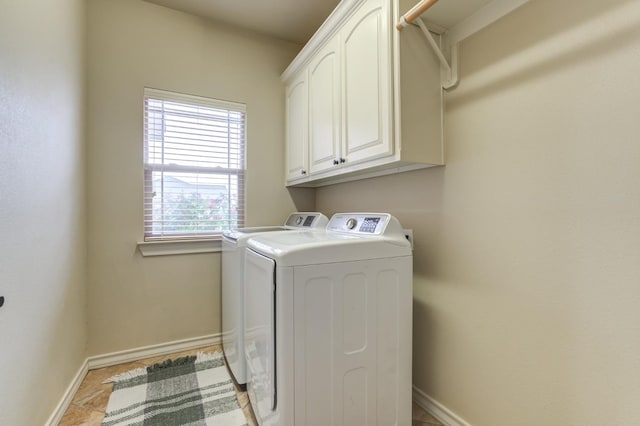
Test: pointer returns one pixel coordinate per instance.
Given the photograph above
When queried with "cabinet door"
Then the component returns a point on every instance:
(297, 127)
(324, 108)
(366, 58)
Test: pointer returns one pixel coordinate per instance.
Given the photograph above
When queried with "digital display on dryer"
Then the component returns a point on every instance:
(308, 221)
(369, 224)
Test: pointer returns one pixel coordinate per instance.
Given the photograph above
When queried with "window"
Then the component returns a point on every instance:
(194, 166)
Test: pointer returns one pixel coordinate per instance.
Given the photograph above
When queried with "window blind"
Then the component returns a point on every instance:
(194, 165)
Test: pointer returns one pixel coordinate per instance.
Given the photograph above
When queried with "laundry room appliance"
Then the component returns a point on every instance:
(233, 248)
(328, 320)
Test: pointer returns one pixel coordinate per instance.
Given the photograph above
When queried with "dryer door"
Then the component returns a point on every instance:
(259, 332)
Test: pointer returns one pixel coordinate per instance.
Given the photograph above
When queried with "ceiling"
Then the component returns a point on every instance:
(298, 20)
(292, 20)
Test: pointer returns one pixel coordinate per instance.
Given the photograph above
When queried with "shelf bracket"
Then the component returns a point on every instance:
(449, 74)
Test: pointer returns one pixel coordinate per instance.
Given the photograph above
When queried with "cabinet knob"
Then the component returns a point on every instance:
(342, 160)
(336, 162)
(304, 172)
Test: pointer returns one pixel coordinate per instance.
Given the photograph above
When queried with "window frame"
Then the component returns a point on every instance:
(189, 242)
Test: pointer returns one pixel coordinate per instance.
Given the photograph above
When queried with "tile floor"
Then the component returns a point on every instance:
(90, 402)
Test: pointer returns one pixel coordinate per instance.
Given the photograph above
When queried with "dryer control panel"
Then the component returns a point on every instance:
(359, 223)
(306, 220)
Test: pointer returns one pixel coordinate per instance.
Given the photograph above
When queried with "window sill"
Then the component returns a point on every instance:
(168, 248)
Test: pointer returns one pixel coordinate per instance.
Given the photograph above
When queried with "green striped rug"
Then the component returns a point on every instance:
(192, 391)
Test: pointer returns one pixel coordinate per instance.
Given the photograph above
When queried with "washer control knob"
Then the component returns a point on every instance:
(351, 223)
(299, 220)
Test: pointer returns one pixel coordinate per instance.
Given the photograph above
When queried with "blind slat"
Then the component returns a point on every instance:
(223, 172)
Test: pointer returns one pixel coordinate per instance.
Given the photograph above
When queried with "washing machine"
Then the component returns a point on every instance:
(328, 323)
(233, 248)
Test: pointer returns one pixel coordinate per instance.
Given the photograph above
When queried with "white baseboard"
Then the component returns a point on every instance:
(437, 410)
(120, 357)
(64, 403)
(136, 354)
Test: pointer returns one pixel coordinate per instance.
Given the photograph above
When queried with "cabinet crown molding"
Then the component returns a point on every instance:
(327, 30)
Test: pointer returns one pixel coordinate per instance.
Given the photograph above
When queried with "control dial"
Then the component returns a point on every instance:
(351, 223)
(299, 220)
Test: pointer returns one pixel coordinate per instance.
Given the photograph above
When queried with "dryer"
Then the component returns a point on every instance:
(328, 323)
(233, 248)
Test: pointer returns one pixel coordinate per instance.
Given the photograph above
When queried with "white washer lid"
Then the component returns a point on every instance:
(295, 221)
(245, 233)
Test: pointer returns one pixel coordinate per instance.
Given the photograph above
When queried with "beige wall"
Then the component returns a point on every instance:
(135, 301)
(527, 243)
(42, 205)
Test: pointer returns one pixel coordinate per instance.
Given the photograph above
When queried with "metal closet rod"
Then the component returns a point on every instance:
(414, 13)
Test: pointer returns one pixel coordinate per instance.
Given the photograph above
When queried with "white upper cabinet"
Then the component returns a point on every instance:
(366, 90)
(297, 129)
(360, 80)
(324, 108)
